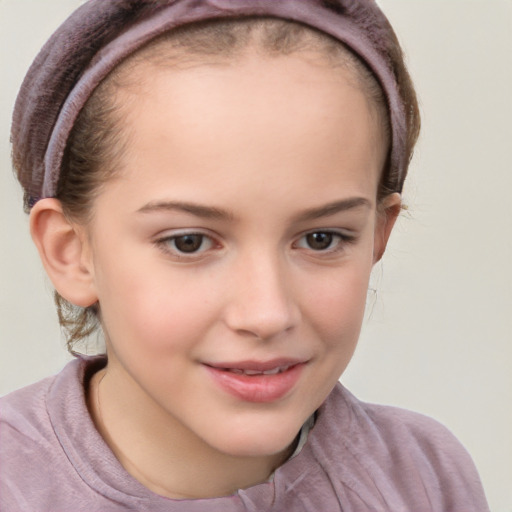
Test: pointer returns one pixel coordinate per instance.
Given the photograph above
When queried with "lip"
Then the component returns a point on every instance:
(261, 388)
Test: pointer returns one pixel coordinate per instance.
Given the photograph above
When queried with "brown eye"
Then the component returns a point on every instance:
(186, 246)
(319, 241)
(188, 243)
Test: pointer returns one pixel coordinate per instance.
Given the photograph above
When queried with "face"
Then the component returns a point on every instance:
(231, 255)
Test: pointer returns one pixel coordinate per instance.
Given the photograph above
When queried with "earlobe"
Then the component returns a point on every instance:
(62, 252)
(387, 213)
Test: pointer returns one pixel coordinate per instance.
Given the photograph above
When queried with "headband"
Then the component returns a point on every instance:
(101, 33)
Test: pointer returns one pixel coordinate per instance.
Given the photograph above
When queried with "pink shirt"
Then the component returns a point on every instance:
(358, 457)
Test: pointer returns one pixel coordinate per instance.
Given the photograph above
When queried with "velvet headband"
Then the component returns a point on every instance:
(101, 33)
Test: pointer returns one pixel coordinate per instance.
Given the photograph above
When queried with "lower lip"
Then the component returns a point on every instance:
(257, 388)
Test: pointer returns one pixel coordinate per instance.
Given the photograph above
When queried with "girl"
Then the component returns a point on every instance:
(210, 183)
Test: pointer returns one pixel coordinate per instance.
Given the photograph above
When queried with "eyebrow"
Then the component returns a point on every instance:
(205, 212)
(214, 213)
(333, 208)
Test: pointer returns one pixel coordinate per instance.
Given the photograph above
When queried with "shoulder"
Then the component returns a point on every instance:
(26, 410)
(26, 441)
(400, 430)
(399, 426)
(29, 441)
(387, 424)
(23, 413)
(26, 425)
(409, 457)
(32, 414)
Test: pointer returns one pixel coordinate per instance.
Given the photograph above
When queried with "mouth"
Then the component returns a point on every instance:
(253, 381)
(252, 373)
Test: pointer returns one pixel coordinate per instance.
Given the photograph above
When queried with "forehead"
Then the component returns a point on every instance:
(228, 41)
(291, 123)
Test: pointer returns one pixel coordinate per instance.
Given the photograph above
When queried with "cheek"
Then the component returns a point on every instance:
(337, 302)
(339, 311)
(333, 314)
(152, 307)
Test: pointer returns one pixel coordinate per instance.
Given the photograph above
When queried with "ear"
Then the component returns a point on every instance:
(62, 248)
(387, 213)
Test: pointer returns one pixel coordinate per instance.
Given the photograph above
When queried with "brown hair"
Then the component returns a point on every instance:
(97, 140)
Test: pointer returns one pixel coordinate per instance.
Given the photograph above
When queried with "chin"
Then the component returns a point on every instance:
(258, 441)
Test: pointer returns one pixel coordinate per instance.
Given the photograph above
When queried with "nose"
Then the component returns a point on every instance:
(263, 303)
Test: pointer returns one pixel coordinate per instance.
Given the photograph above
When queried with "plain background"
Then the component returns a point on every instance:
(438, 338)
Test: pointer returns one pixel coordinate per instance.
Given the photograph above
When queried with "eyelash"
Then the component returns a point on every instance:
(343, 239)
(168, 243)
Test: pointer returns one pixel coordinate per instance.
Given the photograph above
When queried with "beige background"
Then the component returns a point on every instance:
(439, 336)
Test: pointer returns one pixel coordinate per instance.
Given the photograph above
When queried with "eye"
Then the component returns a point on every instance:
(319, 241)
(189, 243)
(323, 241)
(186, 244)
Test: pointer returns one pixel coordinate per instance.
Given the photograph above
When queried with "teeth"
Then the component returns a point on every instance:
(273, 371)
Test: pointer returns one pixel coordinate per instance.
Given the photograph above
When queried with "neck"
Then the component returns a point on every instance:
(160, 452)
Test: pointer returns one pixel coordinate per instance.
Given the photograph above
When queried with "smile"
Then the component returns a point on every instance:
(273, 371)
(257, 382)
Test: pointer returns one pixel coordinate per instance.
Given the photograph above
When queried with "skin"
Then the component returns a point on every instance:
(253, 155)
